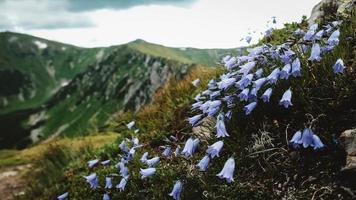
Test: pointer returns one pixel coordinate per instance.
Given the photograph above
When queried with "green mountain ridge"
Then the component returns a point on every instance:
(85, 86)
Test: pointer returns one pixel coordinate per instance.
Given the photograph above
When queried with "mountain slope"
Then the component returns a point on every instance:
(84, 86)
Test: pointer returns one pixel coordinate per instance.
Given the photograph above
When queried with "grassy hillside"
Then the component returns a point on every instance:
(84, 86)
(266, 167)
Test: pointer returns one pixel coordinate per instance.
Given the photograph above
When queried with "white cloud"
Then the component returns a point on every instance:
(205, 24)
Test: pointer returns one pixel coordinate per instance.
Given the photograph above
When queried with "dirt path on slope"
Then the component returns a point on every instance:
(12, 182)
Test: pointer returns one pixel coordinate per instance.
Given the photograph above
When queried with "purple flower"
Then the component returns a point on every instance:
(266, 95)
(188, 149)
(273, 77)
(284, 73)
(220, 127)
(310, 139)
(152, 162)
(196, 82)
(226, 83)
(147, 172)
(228, 170)
(296, 68)
(245, 81)
(231, 63)
(143, 159)
(124, 171)
(252, 96)
(106, 197)
(203, 163)
(93, 181)
(319, 35)
(286, 99)
(195, 119)
(121, 186)
(296, 139)
(63, 196)
(334, 38)
(259, 83)
(196, 105)
(250, 107)
(214, 149)
(214, 107)
(317, 142)
(130, 125)
(108, 182)
(244, 94)
(310, 34)
(339, 66)
(246, 68)
(105, 162)
(92, 163)
(177, 189)
(315, 53)
(167, 151)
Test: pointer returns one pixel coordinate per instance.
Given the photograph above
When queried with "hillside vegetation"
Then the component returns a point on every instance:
(267, 165)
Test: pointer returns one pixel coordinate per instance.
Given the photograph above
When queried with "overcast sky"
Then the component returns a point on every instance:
(177, 23)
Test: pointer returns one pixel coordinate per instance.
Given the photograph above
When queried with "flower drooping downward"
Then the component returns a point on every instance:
(228, 170)
(220, 126)
(286, 99)
(215, 149)
(177, 189)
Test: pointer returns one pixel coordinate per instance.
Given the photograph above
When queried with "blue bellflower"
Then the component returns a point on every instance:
(105, 162)
(296, 68)
(93, 181)
(143, 159)
(108, 182)
(266, 95)
(147, 172)
(315, 53)
(309, 36)
(177, 189)
(250, 107)
(214, 149)
(92, 163)
(286, 99)
(188, 149)
(195, 119)
(152, 162)
(228, 171)
(284, 73)
(203, 163)
(259, 83)
(334, 38)
(226, 83)
(220, 127)
(244, 94)
(121, 186)
(339, 66)
(252, 96)
(273, 77)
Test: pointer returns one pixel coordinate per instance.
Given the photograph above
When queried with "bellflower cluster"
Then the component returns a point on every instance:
(306, 139)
